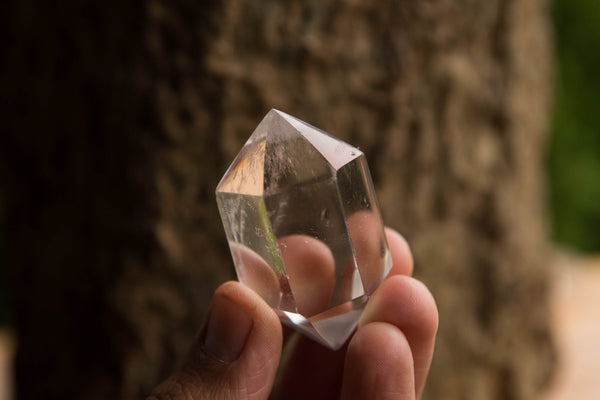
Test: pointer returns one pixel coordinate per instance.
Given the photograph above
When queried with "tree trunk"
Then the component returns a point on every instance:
(120, 120)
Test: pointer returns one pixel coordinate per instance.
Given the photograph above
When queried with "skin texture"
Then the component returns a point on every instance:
(238, 354)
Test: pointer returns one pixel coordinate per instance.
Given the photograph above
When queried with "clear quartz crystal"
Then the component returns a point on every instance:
(304, 227)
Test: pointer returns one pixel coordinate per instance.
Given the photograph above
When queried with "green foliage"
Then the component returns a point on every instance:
(574, 153)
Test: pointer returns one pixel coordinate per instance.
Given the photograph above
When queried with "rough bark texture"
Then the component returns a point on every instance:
(121, 119)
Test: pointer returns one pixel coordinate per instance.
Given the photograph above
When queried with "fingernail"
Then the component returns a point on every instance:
(227, 329)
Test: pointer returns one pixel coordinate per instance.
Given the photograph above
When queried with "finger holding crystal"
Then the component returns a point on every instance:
(292, 180)
(311, 272)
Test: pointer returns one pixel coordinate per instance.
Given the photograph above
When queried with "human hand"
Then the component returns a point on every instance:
(238, 352)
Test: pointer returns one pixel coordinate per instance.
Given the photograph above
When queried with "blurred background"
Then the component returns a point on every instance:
(480, 123)
(573, 171)
(574, 148)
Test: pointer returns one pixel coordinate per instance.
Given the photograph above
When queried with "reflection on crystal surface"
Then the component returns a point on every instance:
(303, 225)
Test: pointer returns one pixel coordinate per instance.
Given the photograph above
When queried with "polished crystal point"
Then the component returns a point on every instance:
(304, 227)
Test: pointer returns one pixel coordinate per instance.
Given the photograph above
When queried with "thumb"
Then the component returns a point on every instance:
(236, 354)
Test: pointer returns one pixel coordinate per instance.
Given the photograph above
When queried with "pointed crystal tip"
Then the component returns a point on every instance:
(304, 226)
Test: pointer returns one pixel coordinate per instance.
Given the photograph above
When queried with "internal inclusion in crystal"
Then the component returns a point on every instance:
(304, 227)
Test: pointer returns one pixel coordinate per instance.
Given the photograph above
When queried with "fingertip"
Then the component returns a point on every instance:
(237, 317)
(266, 331)
(378, 364)
(402, 258)
(227, 329)
(407, 304)
(310, 268)
(404, 301)
(377, 339)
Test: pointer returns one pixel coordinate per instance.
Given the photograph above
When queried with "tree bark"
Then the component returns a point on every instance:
(120, 121)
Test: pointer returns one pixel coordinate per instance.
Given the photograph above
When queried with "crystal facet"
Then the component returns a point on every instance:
(304, 227)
